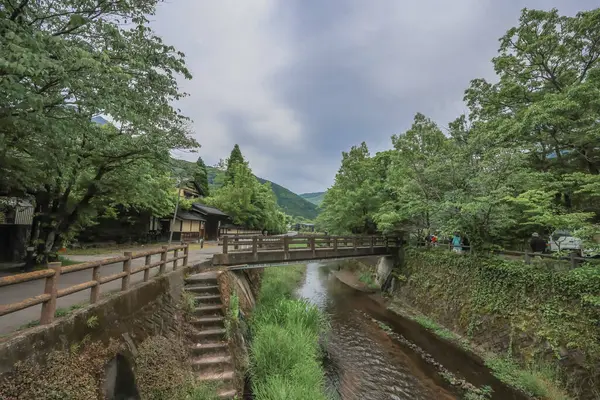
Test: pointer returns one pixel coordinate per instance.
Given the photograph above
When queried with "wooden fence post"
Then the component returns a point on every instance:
(95, 290)
(186, 254)
(255, 248)
(355, 244)
(163, 259)
(260, 242)
(372, 244)
(236, 243)
(225, 244)
(311, 241)
(335, 243)
(286, 248)
(147, 261)
(573, 260)
(49, 307)
(175, 260)
(127, 270)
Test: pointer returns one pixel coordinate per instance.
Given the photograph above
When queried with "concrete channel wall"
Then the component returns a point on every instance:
(130, 316)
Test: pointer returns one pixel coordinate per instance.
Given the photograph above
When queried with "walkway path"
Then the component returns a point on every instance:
(15, 293)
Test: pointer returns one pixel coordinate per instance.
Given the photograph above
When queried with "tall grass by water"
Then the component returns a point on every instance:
(285, 352)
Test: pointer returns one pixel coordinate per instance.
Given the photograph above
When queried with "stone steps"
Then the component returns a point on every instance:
(210, 352)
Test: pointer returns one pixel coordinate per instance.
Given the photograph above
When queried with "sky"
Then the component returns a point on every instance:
(296, 82)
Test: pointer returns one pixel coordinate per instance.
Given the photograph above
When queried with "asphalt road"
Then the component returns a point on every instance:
(16, 293)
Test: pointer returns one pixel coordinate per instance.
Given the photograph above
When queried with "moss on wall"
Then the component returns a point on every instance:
(530, 312)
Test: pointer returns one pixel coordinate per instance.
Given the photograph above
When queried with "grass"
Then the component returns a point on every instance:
(436, 328)
(535, 380)
(367, 278)
(204, 391)
(285, 353)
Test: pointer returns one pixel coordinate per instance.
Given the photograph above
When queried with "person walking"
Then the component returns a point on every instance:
(537, 244)
(457, 243)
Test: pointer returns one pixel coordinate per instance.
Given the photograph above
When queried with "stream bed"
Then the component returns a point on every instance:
(363, 362)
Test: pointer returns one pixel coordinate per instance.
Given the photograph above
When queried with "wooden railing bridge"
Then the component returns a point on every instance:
(238, 250)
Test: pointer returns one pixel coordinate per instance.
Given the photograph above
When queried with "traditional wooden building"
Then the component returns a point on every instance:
(213, 218)
(188, 227)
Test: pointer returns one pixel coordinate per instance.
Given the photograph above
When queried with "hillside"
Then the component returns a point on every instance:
(315, 197)
(290, 202)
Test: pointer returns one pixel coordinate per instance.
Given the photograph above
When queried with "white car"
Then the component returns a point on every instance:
(562, 240)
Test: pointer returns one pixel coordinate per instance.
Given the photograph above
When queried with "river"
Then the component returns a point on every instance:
(364, 362)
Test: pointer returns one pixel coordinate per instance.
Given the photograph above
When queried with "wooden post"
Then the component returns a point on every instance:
(255, 248)
(163, 259)
(147, 262)
(175, 260)
(127, 269)
(286, 248)
(573, 260)
(260, 242)
(95, 290)
(49, 307)
(355, 244)
(225, 244)
(335, 244)
(236, 243)
(186, 253)
(372, 244)
(311, 241)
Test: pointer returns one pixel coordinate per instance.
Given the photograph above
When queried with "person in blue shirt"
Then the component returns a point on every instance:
(457, 243)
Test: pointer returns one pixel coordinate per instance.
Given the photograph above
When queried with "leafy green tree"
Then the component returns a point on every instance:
(348, 206)
(235, 158)
(248, 202)
(65, 62)
(201, 178)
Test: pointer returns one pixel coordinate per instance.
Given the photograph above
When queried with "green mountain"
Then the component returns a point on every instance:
(290, 202)
(315, 197)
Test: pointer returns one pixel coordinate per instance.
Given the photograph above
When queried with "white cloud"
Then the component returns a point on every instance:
(233, 53)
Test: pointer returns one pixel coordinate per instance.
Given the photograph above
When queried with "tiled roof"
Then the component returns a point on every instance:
(185, 215)
(208, 210)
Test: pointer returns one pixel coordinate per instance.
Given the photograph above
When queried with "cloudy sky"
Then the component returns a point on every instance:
(296, 82)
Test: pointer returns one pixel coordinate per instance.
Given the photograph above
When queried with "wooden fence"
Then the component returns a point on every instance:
(257, 243)
(54, 271)
(573, 258)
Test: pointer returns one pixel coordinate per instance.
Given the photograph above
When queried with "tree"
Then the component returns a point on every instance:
(248, 202)
(235, 158)
(348, 206)
(201, 178)
(64, 63)
(526, 158)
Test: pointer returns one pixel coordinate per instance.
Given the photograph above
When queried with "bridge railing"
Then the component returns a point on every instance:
(262, 243)
(53, 273)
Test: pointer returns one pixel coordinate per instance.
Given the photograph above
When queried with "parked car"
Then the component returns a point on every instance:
(562, 240)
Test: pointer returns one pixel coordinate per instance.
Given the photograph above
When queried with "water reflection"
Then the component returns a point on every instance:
(362, 362)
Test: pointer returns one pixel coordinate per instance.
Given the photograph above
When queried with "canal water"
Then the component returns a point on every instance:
(362, 361)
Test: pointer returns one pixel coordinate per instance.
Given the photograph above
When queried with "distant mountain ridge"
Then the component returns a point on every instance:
(315, 197)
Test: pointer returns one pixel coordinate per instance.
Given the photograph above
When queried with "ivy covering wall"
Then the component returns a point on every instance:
(534, 313)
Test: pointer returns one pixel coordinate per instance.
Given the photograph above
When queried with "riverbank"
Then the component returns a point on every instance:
(438, 292)
(534, 326)
(285, 357)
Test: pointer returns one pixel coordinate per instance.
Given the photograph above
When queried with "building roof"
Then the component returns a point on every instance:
(189, 216)
(208, 210)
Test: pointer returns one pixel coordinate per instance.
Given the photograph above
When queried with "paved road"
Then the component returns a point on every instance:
(15, 293)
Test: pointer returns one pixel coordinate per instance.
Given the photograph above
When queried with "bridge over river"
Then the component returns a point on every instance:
(41, 295)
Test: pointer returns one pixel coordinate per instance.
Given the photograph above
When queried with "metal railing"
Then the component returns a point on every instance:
(54, 271)
(258, 243)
